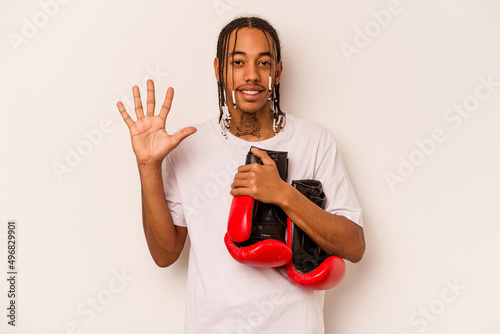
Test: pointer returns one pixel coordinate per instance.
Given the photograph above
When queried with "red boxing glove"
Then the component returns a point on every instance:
(239, 226)
(255, 230)
(311, 267)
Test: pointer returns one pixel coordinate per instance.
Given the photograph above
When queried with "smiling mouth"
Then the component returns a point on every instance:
(251, 92)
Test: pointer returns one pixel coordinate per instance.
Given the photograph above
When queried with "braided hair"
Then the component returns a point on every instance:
(223, 51)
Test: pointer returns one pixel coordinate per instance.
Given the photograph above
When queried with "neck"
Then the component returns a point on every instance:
(252, 126)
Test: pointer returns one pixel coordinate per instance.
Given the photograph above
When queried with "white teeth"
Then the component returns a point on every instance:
(251, 92)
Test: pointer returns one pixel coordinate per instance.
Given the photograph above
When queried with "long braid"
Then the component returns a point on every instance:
(223, 48)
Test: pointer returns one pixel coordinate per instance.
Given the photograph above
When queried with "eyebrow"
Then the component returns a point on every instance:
(232, 54)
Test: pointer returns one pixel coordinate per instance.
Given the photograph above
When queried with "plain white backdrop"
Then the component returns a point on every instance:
(410, 89)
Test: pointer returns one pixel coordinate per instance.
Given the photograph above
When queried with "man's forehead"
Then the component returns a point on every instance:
(250, 40)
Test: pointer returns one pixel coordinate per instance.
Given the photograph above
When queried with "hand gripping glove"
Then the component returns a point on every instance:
(311, 267)
(256, 231)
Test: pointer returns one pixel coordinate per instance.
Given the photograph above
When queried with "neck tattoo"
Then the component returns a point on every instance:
(249, 125)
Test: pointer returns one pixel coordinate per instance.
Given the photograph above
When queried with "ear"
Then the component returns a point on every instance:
(279, 69)
(216, 68)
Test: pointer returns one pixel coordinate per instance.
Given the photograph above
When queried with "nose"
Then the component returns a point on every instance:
(251, 73)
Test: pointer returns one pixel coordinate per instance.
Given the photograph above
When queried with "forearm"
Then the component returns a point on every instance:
(165, 240)
(335, 234)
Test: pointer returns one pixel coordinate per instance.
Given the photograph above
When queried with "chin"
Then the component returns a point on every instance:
(251, 110)
(248, 111)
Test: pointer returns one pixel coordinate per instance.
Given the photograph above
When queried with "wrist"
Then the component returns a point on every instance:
(151, 176)
(145, 166)
(286, 196)
(149, 162)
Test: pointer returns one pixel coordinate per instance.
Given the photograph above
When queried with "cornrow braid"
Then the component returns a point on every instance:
(223, 51)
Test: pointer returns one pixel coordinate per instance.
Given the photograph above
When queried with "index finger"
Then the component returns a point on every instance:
(247, 168)
(266, 159)
(165, 108)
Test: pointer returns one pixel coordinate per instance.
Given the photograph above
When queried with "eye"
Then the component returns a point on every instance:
(237, 62)
(265, 63)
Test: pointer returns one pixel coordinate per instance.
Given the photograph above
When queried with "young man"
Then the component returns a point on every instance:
(188, 181)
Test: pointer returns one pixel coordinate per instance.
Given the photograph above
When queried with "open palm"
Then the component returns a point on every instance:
(150, 141)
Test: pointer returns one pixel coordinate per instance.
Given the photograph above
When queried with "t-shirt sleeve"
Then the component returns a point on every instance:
(340, 196)
(171, 190)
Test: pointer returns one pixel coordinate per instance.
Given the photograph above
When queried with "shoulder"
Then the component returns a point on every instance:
(309, 131)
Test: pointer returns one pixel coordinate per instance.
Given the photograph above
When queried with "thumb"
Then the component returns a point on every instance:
(266, 160)
(182, 134)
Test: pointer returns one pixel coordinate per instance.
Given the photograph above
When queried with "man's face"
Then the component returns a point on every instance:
(248, 69)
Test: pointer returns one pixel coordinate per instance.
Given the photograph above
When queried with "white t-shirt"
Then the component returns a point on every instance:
(223, 295)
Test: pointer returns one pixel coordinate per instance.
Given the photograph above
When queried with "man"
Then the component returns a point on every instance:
(189, 179)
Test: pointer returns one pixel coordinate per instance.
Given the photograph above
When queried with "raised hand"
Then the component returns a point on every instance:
(150, 141)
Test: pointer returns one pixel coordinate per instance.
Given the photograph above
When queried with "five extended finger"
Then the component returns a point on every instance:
(151, 101)
(126, 117)
(150, 98)
(181, 135)
(165, 108)
(139, 111)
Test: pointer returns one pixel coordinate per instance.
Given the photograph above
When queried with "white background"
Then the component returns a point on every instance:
(78, 229)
